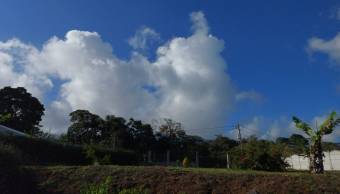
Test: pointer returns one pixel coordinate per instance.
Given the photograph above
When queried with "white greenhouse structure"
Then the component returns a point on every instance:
(331, 161)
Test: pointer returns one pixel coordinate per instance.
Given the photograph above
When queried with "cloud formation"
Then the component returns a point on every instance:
(188, 76)
(143, 37)
(329, 47)
(281, 127)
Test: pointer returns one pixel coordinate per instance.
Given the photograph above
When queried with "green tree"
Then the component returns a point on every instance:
(259, 155)
(25, 110)
(86, 128)
(143, 136)
(4, 117)
(315, 144)
(219, 148)
(116, 132)
(298, 144)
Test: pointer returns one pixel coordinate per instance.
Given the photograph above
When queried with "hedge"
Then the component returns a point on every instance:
(39, 151)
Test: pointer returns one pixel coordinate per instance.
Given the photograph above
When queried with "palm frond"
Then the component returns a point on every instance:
(303, 126)
(329, 124)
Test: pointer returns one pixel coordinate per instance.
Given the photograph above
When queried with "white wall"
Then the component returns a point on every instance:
(331, 161)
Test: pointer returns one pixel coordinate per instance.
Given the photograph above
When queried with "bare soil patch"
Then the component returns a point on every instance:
(69, 180)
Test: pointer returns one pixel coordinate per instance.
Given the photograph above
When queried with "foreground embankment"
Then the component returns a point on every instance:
(70, 180)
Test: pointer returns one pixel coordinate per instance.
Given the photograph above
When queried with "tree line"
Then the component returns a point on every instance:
(21, 111)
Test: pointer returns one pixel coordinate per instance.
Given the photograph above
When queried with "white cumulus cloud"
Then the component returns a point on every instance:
(143, 37)
(188, 76)
(329, 47)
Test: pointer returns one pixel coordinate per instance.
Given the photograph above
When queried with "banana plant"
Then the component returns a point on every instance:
(315, 144)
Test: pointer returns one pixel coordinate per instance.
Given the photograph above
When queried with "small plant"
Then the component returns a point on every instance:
(4, 117)
(138, 190)
(186, 162)
(106, 160)
(90, 152)
(102, 188)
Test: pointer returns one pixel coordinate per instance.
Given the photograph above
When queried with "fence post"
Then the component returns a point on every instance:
(197, 159)
(228, 165)
(149, 157)
(330, 160)
(167, 157)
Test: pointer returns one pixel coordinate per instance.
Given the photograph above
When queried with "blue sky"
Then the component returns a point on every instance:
(265, 43)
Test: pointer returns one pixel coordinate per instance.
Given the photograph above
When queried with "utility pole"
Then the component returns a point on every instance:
(239, 135)
(228, 163)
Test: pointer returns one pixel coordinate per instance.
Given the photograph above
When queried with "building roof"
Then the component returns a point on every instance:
(8, 131)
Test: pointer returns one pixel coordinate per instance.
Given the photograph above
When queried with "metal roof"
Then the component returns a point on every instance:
(8, 131)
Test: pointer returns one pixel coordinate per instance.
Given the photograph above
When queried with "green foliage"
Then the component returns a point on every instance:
(303, 126)
(219, 148)
(329, 124)
(101, 188)
(86, 128)
(91, 154)
(316, 151)
(106, 160)
(186, 162)
(138, 190)
(104, 188)
(47, 152)
(12, 178)
(259, 155)
(25, 110)
(4, 117)
(296, 144)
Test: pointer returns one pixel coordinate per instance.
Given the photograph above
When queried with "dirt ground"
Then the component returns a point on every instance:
(69, 180)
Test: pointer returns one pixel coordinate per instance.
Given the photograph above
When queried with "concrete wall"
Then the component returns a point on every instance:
(331, 161)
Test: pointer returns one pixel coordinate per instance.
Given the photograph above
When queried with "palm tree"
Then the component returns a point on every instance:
(315, 144)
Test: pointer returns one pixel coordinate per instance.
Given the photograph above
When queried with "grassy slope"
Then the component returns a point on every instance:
(61, 179)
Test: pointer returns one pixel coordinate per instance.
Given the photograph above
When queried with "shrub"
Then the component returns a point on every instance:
(106, 160)
(91, 154)
(138, 190)
(37, 151)
(101, 188)
(12, 178)
(259, 155)
(186, 162)
(104, 188)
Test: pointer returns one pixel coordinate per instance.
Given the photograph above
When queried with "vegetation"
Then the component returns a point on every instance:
(37, 151)
(105, 188)
(101, 188)
(316, 151)
(13, 178)
(91, 139)
(68, 180)
(21, 110)
(259, 155)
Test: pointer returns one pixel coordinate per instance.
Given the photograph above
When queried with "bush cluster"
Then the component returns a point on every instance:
(12, 178)
(47, 152)
(259, 155)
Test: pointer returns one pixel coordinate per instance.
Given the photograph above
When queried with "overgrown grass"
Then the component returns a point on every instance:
(104, 188)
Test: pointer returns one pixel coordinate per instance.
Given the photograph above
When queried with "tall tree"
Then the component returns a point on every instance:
(143, 136)
(315, 144)
(86, 128)
(23, 111)
(116, 132)
(172, 128)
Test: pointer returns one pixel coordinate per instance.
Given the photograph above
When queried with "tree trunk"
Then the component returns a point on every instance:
(316, 157)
